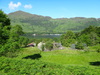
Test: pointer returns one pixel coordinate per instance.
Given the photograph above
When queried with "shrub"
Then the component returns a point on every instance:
(13, 47)
(9, 49)
(95, 48)
(43, 47)
(23, 41)
(79, 46)
(49, 45)
(98, 49)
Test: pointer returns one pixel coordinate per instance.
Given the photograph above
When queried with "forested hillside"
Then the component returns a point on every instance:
(43, 24)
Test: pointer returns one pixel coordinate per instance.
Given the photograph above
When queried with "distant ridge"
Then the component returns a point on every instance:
(32, 23)
(25, 14)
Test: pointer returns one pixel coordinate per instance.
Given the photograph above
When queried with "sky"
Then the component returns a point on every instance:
(54, 8)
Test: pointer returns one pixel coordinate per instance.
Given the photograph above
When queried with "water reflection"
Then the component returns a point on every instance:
(30, 35)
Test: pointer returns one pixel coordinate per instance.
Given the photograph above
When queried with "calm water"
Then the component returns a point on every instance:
(42, 35)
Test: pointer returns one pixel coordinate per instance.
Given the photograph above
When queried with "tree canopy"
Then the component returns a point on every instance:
(88, 37)
(4, 27)
(10, 39)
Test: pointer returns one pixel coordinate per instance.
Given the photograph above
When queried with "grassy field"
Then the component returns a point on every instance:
(63, 57)
(32, 61)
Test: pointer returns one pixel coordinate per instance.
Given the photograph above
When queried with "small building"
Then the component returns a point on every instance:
(31, 45)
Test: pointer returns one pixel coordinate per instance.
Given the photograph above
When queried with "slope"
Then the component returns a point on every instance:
(32, 23)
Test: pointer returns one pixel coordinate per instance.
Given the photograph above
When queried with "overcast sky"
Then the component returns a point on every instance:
(54, 8)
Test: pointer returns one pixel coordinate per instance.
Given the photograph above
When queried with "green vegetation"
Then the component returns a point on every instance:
(68, 38)
(88, 37)
(18, 59)
(10, 39)
(95, 48)
(42, 24)
(49, 45)
(59, 62)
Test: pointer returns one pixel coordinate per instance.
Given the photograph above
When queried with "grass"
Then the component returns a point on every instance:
(57, 62)
(64, 57)
(67, 58)
(28, 51)
(94, 48)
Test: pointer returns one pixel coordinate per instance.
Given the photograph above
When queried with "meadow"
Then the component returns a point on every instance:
(32, 61)
(63, 57)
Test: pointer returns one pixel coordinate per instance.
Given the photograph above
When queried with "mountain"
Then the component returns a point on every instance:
(32, 23)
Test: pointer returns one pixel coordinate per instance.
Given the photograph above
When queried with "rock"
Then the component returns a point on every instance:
(40, 45)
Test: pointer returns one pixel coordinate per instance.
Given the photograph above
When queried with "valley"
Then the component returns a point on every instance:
(40, 45)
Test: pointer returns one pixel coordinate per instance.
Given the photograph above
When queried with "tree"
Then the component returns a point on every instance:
(89, 39)
(90, 36)
(84, 39)
(94, 38)
(23, 41)
(68, 35)
(4, 27)
(15, 33)
(98, 31)
(49, 45)
(89, 30)
(68, 38)
(79, 45)
(9, 36)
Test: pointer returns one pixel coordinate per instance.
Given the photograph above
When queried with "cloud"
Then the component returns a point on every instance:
(13, 6)
(28, 6)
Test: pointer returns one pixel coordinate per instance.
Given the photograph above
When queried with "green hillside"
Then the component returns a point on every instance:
(43, 24)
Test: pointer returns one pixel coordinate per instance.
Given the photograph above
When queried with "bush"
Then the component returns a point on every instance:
(13, 47)
(2, 51)
(95, 48)
(98, 49)
(49, 45)
(79, 46)
(9, 49)
(23, 41)
(43, 47)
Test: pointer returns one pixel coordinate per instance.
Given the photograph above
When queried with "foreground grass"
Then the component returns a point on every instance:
(58, 62)
(9, 66)
(63, 57)
(70, 57)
